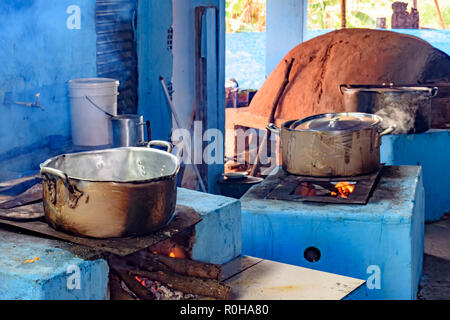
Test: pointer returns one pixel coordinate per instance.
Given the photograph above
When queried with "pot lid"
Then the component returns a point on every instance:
(337, 122)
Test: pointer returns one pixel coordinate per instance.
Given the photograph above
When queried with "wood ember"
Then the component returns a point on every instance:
(197, 286)
(181, 244)
(120, 269)
(190, 268)
(163, 292)
(157, 277)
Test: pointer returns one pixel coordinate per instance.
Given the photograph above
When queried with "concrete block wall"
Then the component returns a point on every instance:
(219, 234)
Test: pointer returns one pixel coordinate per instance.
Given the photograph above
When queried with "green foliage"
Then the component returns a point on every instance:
(325, 14)
(250, 15)
(245, 15)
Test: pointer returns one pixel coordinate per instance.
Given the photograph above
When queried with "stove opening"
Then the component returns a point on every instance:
(178, 246)
(341, 189)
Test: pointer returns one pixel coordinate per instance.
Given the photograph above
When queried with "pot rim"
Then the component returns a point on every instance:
(392, 89)
(376, 124)
(161, 178)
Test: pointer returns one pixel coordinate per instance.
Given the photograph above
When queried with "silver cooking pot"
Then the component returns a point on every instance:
(408, 107)
(111, 193)
(332, 144)
(128, 131)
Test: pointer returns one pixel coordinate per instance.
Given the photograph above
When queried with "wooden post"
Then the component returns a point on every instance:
(343, 14)
(440, 14)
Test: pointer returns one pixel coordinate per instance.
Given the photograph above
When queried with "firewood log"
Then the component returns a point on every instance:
(116, 290)
(184, 267)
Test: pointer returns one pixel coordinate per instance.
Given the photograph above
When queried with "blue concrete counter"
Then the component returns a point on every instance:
(219, 234)
(381, 241)
(33, 268)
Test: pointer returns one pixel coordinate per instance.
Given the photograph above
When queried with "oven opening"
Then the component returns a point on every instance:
(337, 189)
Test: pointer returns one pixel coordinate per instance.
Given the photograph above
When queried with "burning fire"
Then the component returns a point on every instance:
(345, 189)
(173, 252)
(177, 252)
(141, 281)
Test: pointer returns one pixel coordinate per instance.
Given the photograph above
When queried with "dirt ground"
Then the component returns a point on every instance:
(435, 282)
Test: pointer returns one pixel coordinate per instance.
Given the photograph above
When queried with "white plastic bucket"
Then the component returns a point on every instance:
(93, 101)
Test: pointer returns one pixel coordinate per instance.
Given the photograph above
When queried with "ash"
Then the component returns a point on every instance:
(161, 291)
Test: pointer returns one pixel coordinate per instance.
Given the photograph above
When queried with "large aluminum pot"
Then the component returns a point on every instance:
(406, 107)
(111, 193)
(331, 145)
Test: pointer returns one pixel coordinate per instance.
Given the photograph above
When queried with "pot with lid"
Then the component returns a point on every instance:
(332, 144)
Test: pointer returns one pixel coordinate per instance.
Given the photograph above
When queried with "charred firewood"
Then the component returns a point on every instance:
(190, 268)
(116, 290)
(121, 270)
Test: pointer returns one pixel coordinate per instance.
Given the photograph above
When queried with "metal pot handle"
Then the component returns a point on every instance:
(388, 130)
(273, 128)
(160, 143)
(433, 92)
(341, 87)
(56, 172)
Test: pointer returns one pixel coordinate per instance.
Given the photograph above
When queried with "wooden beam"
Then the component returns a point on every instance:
(343, 14)
(440, 14)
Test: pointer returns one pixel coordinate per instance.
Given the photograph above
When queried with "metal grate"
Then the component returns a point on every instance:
(115, 22)
(286, 189)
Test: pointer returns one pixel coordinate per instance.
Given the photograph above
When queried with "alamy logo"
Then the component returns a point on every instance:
(374, 280)
(74, 278)
(74, 20)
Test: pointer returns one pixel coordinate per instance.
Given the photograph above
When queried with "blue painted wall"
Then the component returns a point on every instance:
(285, 28)
(39, 54)
(431, 150)
(154, 59)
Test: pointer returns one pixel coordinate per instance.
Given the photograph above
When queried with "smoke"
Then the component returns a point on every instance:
(409, 112)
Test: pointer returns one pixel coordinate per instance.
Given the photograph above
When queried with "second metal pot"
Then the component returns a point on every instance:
(128, 131)
(408, 107)
(329, 145)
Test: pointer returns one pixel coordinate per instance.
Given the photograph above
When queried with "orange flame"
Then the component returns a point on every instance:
(345, 189)
(141, 281)
(176, 252)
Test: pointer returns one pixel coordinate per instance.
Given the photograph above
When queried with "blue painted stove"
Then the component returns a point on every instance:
(381, 241)
(431, 150)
